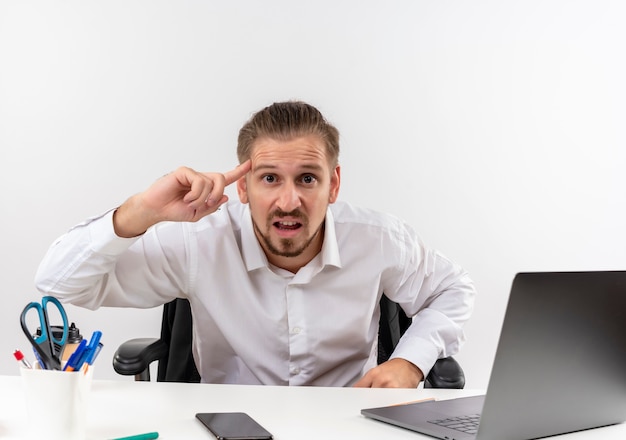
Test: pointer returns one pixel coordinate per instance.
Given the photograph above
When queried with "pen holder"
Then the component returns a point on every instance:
(56, 403)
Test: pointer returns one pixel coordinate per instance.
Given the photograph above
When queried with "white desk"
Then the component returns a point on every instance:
(121, 408)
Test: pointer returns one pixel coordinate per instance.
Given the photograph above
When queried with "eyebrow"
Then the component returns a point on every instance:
(268, 166)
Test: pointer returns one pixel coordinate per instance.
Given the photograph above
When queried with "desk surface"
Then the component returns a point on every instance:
(122, 408)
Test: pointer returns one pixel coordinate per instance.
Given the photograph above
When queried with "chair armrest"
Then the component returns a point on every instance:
(133, 357)
(446, 373)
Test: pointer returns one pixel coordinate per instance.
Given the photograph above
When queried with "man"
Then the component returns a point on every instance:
(284, 286)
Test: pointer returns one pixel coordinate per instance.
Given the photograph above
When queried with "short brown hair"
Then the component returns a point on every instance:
(284, 121)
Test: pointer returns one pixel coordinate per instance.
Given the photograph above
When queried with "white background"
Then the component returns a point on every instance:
(496, 128)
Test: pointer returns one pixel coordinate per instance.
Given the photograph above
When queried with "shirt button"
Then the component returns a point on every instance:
(295, 370)
(296, 330)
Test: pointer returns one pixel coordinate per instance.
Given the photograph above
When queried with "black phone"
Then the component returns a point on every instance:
(233, 426)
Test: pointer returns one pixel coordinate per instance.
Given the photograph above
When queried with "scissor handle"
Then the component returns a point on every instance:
(59, 306)
(42, 323)
(44, 344)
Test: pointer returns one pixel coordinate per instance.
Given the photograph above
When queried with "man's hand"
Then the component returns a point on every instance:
(184, 195)
(395, 373)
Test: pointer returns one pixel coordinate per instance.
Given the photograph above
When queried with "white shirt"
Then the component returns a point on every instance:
(258, 324)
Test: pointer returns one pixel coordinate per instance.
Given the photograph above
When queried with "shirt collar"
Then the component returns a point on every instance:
(255, 258)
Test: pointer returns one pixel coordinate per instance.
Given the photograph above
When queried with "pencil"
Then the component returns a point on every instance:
(146, 436)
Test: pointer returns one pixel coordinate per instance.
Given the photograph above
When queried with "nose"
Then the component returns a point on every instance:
(288, 198)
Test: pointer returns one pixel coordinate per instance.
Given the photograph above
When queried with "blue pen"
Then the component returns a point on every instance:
(94, 354)
(75, 357)
(93, 345)
(39, 361)
(89, 352)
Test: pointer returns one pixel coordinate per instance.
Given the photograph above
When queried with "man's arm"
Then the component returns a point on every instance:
(184, 195)
(94, 264)
(439, 295)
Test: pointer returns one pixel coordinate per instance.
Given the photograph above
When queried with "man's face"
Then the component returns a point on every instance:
(289, 189)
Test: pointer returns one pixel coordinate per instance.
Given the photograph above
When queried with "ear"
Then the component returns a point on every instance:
(242, 189)
(335, 181)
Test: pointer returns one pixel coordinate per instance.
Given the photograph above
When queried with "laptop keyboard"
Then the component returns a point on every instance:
(467, 424)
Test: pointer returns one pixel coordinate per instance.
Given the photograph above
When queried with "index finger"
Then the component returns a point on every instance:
(237, 173)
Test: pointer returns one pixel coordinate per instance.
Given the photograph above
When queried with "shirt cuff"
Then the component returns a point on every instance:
(420, 352)
(103, 239)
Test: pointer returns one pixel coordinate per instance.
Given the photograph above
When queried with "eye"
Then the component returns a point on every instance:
(308, 179)
(269, 178)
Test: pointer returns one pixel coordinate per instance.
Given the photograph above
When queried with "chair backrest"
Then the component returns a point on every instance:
(176, 331)
(391, 326)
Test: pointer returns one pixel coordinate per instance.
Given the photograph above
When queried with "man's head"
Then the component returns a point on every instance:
(288, 120)
(294, 176)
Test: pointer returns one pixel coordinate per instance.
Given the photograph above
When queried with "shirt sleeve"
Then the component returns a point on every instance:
(90, 266)
(439, 295)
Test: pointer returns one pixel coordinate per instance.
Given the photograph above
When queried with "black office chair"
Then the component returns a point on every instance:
(176, 364)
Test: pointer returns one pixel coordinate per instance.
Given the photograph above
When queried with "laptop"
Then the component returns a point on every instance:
(560, 365)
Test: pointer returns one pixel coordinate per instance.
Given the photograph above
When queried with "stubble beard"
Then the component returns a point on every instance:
(287, 246)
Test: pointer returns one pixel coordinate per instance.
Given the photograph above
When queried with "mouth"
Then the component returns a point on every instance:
(287, 234)
(287, 229)
(287, 225)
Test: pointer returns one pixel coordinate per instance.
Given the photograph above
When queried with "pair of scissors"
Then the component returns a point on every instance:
(47, 347)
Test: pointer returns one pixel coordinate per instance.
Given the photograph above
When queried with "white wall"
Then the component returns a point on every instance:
(496, 128)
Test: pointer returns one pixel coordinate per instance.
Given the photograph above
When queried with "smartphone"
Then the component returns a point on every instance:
(233, 426)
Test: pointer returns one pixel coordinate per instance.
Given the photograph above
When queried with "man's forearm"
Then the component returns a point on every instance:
(127, 222)
(76, 263)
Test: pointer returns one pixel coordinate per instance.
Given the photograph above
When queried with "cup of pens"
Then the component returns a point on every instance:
(57, 402)
(56, 391)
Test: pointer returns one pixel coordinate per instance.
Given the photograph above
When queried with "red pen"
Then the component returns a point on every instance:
(19, 356)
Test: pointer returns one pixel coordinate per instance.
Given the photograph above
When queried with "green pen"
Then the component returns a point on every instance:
(146, 436)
